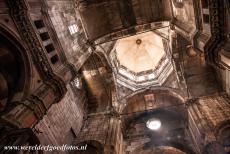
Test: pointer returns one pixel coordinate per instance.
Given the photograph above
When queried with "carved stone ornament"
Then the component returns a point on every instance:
(216, 9)
(19, 12)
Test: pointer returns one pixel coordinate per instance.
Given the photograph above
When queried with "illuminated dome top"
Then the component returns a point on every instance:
(141, 52)
(141, 60)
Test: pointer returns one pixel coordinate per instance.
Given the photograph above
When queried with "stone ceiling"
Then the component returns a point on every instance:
(114, 15)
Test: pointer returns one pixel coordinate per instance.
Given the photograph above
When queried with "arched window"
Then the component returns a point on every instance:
(178, 3)
(14, 70)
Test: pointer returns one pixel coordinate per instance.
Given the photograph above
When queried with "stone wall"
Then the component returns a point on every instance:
(224, 72)
(185, 14)
(184, 19)
(63, 121)
(205, 116)
(63, 15)
(104, 129)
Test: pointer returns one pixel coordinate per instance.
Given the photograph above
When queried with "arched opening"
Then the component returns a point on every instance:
(14, 70)
(155, 117)
(97, 76)
(213, 148)
(153, 99)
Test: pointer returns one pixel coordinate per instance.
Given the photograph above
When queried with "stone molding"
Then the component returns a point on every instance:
(19, 12)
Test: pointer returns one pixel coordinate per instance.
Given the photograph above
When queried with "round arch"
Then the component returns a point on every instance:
(164, 104)
(154, 91)
(15, 69)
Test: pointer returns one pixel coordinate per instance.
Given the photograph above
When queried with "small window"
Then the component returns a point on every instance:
(77, 82)
(54, 59)
(44, 36)
(73, 29)
(178, 3)
(39, 24)
(206, 18)
(49, 48)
